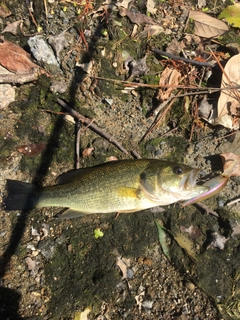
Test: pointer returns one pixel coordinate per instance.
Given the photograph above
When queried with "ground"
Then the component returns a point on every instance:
(99, 266)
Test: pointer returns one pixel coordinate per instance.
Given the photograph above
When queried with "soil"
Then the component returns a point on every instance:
(96, 266)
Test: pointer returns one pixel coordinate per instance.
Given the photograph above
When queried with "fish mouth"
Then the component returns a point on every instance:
(189, 182)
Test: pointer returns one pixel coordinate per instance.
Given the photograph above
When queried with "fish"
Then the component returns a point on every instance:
(118, 186)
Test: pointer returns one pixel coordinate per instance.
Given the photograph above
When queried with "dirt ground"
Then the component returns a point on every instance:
(96, 266)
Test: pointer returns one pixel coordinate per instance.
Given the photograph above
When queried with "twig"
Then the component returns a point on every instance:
(233, 202)
(206, 208)
(162, 105)
(205, 90)
(92, 126)
(19, 78)
(172, 56)
(78, 136)
(46, 10)
(159, 119)
(30, 11)
(136, 154)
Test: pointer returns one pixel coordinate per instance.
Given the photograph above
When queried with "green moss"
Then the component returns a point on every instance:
(7, 145)
(175, 144)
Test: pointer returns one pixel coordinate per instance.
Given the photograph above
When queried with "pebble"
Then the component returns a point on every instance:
(43, 54)
(7, 95)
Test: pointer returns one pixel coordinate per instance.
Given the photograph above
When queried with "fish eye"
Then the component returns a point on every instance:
(177, 170)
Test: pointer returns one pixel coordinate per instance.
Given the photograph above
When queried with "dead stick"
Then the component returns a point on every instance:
(91, 125)
(78, 137)
(204, 90)
(19, 78)
(173, 57)
(207, 209)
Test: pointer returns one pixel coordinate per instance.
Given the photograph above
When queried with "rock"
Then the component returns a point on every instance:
(43, 54)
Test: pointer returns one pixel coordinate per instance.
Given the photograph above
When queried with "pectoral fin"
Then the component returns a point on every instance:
(70, 214)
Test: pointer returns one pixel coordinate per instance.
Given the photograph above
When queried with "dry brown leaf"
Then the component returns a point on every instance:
(207, 26)
(151, 30)
(218, 241)
(231, 164)
(136, 68)
(32, 149)
(168, 77)
(87, 152)
(122, 266)
(175, 47)
(14, 58)
(124, 3)
(228, 102)
(136, 17)
(12, 27)
(151, 7)
(111, 158)
(4, 11)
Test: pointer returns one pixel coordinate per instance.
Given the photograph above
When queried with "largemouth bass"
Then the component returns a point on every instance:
(117, 186)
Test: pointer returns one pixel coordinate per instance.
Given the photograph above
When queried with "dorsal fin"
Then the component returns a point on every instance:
(71, 175)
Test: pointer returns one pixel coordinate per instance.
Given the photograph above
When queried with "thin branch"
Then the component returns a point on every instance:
(207, 209)
(77, 147)
(158, 118)
(173, 57)
(92, 126)
(205, 90)
(19, 78)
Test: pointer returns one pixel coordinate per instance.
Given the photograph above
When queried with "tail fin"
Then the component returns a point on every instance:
(20, 196)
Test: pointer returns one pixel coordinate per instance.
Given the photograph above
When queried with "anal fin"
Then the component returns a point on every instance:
(70, 214)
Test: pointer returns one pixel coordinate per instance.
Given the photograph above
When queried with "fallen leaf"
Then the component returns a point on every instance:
(136, 67)
(4, 11)
(175, 47)
(162, 238)
(124, 264)
(151, 30)
(194, 231)
(124, 3)
(205, 108)
(86, 67)
(136, 17)
(232, 15)
(32, 149)
(139, 299)
(82, 315)
(14, 58)
(58, 43)
(207, 26)
(231, 164)
(169, 76)
(235, 225)
(185, 243)
(228, 102)
(111, 158)
(218, 241)
(151, 7)
(31, 264)
(12, 27)
(201, 4)
(87, 152)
